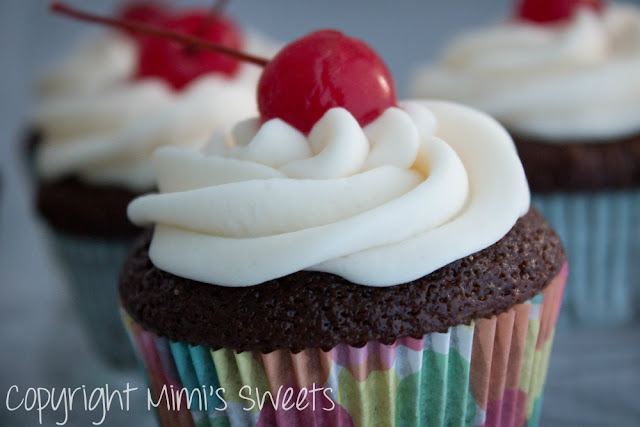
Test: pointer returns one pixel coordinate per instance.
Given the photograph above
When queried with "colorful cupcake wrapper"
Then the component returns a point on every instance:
(489, 373)
(92, 267)
(601, 234)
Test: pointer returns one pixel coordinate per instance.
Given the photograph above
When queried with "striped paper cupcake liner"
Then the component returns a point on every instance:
(489, 373)
(601, 234)
(92, 267)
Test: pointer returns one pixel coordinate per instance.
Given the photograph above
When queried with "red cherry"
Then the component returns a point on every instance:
(322, 70)
(179, 64)
(147, 12)
(548, 11)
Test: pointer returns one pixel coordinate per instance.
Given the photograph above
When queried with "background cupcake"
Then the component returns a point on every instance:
(294, 257)
(93, 158)
(562, 80)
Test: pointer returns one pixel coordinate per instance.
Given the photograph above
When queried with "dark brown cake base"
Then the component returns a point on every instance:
(78, 208)
(74, 207)
(314, 309)
(576, 166)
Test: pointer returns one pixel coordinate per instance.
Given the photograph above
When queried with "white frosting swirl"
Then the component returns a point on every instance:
(105, 129)
(93, 65)
(418, 188)
(576, 80)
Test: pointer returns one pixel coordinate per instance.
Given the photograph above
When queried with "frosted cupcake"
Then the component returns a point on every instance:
(94, 157)
(564, 84)
(378, 263)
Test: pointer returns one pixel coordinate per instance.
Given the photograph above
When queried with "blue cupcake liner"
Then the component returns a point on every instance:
(92, 267)
(601, 234)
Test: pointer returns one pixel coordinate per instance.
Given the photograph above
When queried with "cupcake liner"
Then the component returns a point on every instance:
(601, 234)
(488, 373)
(92, 267)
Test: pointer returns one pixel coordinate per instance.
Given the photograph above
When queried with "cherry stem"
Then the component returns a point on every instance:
(152, 30)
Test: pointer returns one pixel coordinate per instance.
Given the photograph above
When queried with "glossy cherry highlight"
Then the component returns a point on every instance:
(322, 70)
(551, 11)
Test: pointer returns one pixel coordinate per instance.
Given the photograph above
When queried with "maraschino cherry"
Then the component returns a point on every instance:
(322, 70)
(162, 57)
(551, 11)
(179, 64)
(319, 71)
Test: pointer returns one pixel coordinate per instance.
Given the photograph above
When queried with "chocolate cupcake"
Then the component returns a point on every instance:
(88, 230)
(564, 85)
(380, 269)
(92, 155)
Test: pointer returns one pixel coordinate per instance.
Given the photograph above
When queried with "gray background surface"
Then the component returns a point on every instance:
(594, 377)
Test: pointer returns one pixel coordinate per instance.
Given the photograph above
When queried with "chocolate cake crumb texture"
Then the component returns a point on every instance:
(315, 309)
